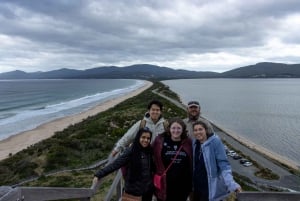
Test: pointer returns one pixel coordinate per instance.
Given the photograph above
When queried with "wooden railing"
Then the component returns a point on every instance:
(59, 193)
(47, 193)
(115, 190)
(268, 196)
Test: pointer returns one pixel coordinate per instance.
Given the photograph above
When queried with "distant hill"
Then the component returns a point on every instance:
(139, 71)
(265, 70)
(150, 72)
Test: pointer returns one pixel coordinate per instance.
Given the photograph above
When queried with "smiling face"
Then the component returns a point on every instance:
(200, 133)
(176, 131)
(154, 112)
(145, 139)
(193, 112)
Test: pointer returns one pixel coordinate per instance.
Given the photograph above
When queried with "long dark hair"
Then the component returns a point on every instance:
(135, 164)
(136, 146)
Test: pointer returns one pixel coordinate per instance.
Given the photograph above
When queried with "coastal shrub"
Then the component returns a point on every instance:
(27, 169)
(56, 158)
(266, 173)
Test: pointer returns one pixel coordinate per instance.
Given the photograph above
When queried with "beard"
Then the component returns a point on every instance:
(194, 117)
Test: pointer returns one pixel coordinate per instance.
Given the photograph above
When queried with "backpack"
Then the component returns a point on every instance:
(143, 124)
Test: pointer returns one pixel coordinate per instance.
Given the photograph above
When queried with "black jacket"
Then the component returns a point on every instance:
(138, 179)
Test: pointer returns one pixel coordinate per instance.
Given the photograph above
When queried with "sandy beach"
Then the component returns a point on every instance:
(22, 140)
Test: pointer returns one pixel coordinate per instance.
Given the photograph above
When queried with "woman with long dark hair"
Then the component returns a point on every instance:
(138, 159)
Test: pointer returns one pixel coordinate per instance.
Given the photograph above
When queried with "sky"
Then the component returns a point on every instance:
(198, 35)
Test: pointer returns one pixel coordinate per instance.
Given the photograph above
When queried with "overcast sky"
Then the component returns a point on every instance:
(201, 35)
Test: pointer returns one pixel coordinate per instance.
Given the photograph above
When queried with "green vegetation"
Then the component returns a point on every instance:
(266, 174)
(262, 172)
(82, 144)
(245, 182)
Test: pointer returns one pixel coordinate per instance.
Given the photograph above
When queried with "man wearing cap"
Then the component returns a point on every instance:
(193, 110)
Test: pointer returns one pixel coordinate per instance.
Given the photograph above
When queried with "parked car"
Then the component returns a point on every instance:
(243, 160)
(247, 163)
(231, 153)
(236, 157)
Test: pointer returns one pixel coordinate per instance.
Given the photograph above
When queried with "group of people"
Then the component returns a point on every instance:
(186, 153)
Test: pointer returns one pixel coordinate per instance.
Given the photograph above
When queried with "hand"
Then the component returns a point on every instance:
(95, 184)
(114, 153)
(238, 190)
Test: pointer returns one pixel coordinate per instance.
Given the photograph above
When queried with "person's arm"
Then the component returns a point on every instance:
(122, 160)
(225, 167)
(127, 138)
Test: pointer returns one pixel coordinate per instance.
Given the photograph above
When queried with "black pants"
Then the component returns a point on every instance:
(200, 197)
(148, 195)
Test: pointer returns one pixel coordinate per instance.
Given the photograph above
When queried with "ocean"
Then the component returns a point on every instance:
(26, 104)
(264, 111)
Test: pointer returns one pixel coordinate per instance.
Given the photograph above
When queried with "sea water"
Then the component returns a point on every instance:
(26, 104)
(264, 111)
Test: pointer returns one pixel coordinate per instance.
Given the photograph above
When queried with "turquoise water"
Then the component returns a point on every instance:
(26, 104)
(264, 111)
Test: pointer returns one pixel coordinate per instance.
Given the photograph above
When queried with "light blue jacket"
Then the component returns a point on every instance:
(220, 180)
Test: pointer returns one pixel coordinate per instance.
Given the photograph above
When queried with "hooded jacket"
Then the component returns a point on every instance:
(220, 180)
(128, 137)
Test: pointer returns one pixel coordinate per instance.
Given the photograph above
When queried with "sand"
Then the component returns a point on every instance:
(21, 141)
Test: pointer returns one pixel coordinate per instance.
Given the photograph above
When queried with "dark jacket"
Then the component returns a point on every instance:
(138, 179)
(160, 168)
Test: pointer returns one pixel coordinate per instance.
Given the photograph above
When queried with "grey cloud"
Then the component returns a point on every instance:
(118, 31)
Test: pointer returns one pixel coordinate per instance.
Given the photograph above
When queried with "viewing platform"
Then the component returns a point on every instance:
(115, 190)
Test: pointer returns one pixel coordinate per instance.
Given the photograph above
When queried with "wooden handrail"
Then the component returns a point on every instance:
(116, 185)
(268, 196)
(47, 193)
(57, 193)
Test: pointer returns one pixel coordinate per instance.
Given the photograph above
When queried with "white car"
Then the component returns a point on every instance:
(247, 164)
(231, 153)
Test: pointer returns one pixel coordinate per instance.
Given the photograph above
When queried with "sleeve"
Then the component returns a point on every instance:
(224, 166)
(128, 137)
(122, 160)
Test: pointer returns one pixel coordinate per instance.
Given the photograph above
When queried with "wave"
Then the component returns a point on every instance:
(32, 118)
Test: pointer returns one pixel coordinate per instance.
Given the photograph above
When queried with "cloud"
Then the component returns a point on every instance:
(210, 35)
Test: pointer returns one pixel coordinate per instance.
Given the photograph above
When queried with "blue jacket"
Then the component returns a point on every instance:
(220, 180)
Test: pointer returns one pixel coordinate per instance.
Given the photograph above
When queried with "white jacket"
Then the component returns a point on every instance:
(129, 136)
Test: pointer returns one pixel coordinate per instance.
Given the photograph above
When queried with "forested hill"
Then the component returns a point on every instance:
(145, 71)
(265, 70)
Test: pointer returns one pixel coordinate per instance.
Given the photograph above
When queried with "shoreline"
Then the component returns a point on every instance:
(259, 149)
(20, 141)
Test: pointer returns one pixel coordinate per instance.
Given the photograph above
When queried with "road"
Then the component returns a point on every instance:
(286, 180)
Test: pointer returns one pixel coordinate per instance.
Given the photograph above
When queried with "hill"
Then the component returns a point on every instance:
(139, 71)
(152, 72)
(265, 70)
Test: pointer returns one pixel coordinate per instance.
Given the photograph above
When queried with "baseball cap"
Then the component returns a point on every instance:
(193, 103)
